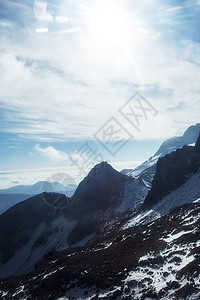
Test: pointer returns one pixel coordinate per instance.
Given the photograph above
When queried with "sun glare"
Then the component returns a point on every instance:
(108, 27)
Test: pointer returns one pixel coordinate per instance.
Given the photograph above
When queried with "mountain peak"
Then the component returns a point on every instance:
(103, 187)
(101, 168)
(191, 134)
(100, 174)
(101, 165)
(189, 137)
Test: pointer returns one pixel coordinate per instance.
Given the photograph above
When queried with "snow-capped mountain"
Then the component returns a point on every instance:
(117, 237)
(160, 260)
(176, 183)
(189, 137)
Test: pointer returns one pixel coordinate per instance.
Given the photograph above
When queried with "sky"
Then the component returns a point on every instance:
(86, 81)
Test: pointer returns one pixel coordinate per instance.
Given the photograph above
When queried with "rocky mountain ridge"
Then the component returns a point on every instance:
(172, 171)
(118, 237)
(189, 137)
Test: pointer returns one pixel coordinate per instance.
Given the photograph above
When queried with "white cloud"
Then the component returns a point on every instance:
(51, 153)
(65, 88)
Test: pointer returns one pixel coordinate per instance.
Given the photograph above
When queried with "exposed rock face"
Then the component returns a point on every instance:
(172, 171)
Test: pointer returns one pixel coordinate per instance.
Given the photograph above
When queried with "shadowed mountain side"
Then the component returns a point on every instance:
(96, 197)
(172, 171)
(8, 200)
(32, 228)
(20, 221)
(102, 188)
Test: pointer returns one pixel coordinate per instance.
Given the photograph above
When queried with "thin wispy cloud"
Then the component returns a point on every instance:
(175, 8)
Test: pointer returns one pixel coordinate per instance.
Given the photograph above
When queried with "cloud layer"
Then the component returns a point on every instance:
(59, 86)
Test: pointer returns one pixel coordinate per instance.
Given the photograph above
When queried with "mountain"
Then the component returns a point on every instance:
(158, 261)
(172, 171)
(189, 137)
(8, 200)
(37, 188)
(102, 188)
(32, 228)
(97, 197)
(176, 183)
(16, 194)
(28, 230)
(117, 237)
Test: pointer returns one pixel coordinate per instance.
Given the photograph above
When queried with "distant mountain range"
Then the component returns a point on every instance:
(16, 194)
(38, 187)
(117, 237)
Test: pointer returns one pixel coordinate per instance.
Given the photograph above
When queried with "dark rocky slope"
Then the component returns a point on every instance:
(160, 260)
(172, 171)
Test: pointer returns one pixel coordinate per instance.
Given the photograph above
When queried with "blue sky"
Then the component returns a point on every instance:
(67, 67)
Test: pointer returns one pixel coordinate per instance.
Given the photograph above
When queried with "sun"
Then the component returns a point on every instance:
(108, 27)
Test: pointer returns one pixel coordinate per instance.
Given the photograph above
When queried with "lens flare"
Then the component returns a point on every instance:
(39, 9)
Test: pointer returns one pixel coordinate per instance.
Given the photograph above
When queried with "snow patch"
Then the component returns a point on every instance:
(175, 236)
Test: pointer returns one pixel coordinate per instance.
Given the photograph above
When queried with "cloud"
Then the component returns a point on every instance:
(51, 153)
(58, 86)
